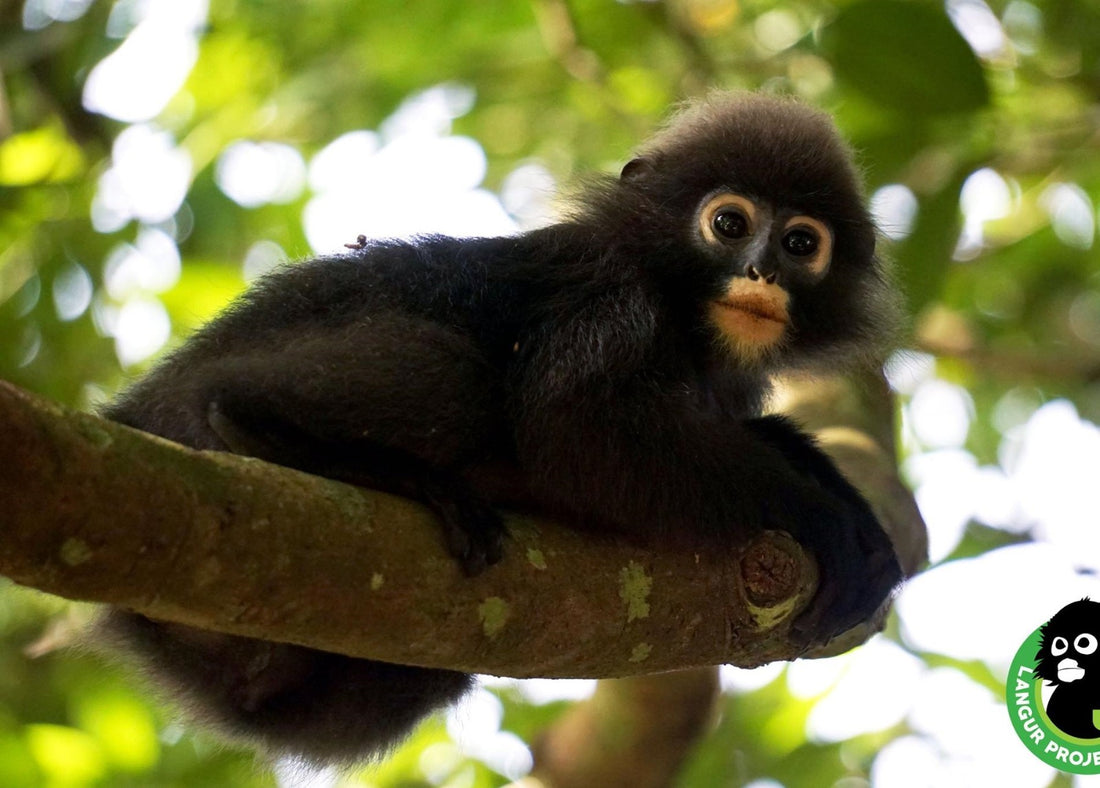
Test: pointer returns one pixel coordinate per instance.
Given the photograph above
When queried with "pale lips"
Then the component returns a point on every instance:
(760, 308)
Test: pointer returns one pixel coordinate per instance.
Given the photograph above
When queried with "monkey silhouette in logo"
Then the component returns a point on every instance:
(609, 370)
(1069, 659)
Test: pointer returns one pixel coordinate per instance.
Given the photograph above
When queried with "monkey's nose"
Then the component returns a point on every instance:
(756, 276)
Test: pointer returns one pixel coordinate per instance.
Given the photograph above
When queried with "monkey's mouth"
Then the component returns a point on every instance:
(756, 308)
(1069, 670)
(752, 320)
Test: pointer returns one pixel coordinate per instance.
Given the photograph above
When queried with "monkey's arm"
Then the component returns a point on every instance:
(654, 461)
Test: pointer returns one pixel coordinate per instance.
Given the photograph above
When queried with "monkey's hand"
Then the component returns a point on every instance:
(472, 528)
(858, 564)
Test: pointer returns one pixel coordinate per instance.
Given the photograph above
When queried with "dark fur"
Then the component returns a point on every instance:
(575, 363)
(1072, 703)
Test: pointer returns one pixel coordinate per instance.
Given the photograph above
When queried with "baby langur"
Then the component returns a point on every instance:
(611, 368)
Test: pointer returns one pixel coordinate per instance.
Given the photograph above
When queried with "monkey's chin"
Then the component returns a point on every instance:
(749, 332)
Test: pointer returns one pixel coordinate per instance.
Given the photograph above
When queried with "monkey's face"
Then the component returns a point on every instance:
(748, 210)
(1070, 650)
(761, 254)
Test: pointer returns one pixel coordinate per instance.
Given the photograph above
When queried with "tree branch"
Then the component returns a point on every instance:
(635, 731)
(97, 511)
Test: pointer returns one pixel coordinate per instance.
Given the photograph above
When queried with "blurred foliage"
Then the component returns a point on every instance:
(572, 84)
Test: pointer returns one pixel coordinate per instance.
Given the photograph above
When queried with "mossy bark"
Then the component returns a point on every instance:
(95, 511)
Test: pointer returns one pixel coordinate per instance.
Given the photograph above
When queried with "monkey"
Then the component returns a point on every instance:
(609, 369)
(1068, 659)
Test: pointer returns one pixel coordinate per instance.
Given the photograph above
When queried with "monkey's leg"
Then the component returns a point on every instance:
(389, 401)
(472, 527)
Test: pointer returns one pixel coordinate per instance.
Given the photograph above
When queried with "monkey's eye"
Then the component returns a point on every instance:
(731, 223)
(727, 217)
(810, 242)
(800, 242)
(1085, 643)
(1059, 646)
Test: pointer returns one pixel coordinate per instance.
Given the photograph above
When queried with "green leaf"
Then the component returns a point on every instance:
(123, 726)
(67, 755)
(44, 154)
(906, 57)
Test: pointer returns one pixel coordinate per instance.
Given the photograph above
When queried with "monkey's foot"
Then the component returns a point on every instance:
(472, 528)
(237, 439)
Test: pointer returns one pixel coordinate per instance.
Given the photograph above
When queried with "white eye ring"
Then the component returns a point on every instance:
(714, 206)
(818, 262)
(1085, 643)
(1059, 646)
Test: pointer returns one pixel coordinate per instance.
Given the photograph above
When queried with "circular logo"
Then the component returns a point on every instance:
(1053, 690)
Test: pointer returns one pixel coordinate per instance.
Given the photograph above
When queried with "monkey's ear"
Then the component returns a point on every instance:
(637, 169)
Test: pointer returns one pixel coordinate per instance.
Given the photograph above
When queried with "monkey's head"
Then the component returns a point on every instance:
(1069, 648)
(749, 211)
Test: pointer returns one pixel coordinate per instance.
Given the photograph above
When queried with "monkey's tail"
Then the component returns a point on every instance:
(281, 698)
